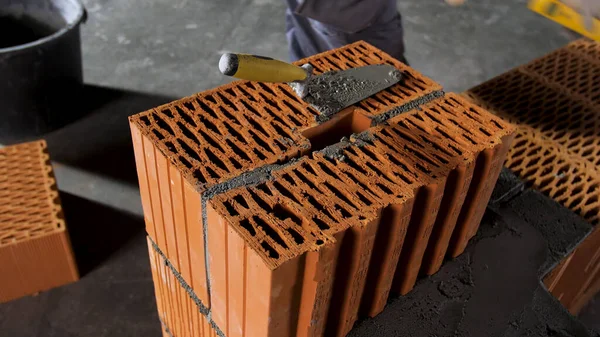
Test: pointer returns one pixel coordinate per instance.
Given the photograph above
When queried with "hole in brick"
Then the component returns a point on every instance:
(189, 106)
(246, 94)
(213, 158)
(294, 110)
(187, 118)
(318, 206)
(259, 201)
(235, 163)
(340, 195)
(251, 109)
(188, 150)
(211, 172)
(306, 180)
(282, 213)
(295, 120)
(320, 242)
(158, 134)
(296, 236)
(188, 133)
(321, 224)
(210, 141)
(379, 172)
(171, 147)
(162, 124)
(269, 231)
(265, 189)
(167, 112)
(259, 154)
(291, 96)
(355, 166)
(364, 199)
(230, 209)
(145, 120)
(280, 130)
(248, 227)
(198, 175)
(259, 141)
(240, 200)
(229, 116)
(209, 125)
(385, 189)
(266, 88)
(272, 252)
(210, 99)
(309, 168)
(235, 134)
(227, 101)
(185, 162)
(237, 150)
(343, 211)
(285, 192)
(328, 171)
(289, 179)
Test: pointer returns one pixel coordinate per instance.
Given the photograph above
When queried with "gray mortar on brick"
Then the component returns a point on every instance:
(264, 173)
(254, 177)
(335, 151)
(165, 327)
(414, 104)
(332, 91)
(201, 307)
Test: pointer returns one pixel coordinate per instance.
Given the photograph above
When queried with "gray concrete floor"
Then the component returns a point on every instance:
(158, 50)
(138, 54)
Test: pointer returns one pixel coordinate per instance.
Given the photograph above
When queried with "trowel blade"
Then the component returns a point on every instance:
(335, 90)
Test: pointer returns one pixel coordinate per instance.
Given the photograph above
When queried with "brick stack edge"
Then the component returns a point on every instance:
(253, 233)
(555, 103)
(35, 249)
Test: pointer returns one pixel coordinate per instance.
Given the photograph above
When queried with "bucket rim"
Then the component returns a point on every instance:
(81, 17)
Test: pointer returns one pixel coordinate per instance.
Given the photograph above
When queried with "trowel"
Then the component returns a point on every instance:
(329, 92)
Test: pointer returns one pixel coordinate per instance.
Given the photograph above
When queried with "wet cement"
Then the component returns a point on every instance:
(333, 91)
(494, 288)
(414, 104)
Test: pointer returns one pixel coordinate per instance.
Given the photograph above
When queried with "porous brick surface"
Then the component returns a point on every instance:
(35, 250)
(555, 103)
(276, 221)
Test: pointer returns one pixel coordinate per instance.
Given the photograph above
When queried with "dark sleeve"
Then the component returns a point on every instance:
(348, 16)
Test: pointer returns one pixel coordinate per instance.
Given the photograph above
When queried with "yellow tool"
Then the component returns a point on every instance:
(561, 13)
(260, 68)
(329, 92)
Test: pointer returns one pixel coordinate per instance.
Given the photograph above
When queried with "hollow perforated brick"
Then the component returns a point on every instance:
(192, 145)
(364, 175)
(549, 168)
(477, 135)
(554, 100)
(574, 281)
(35, 249)
(177, 305)
(299, 241)
(523, 99)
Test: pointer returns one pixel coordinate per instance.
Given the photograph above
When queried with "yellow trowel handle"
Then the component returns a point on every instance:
(260, 68)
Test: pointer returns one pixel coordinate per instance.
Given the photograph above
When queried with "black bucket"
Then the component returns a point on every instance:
(40, 66)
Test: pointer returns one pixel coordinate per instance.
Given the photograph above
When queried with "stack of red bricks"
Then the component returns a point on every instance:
(35, 248)
(554, 101)
(262, 221)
